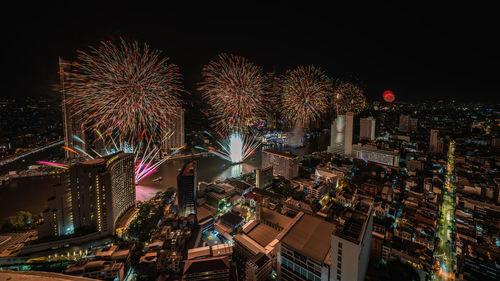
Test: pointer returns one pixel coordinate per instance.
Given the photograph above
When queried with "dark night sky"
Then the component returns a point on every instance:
(420, 52)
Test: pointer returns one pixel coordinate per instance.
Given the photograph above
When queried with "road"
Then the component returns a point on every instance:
(35, 150)
(444, 253)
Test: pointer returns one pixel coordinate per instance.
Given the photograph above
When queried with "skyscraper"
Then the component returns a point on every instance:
(92, 196)
(72, 122)
(176, 129)
(434, 141)
(351, 242)
(102, 189)
(337, 133)
(187, 189)
(367, 128)
(342, 130)
(349, 130)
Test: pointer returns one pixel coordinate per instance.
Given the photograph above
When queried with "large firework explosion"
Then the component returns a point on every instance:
(126, 87)
(348, 97)
(234, 89)
(306, 93)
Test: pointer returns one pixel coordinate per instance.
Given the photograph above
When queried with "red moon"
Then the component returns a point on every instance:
(388, 96)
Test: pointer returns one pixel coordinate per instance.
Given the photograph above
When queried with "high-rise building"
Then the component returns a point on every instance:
(337, 133)
(367, 128)
(342, 130)
(92, 196)
(73, 124)
(211, 268)
(176, 129)
(351, 242)
(58, 217)
(102, 190)
(187, 189)
(434, 142)
(304, 251)
(284, 164)
(349, 130)
(407, 124)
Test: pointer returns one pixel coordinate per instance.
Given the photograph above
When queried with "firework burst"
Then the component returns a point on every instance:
(124, 86)
(236, 148)
(234, 89)
(306, 93)
(348, 97)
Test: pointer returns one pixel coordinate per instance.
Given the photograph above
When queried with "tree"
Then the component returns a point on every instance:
(20, 221)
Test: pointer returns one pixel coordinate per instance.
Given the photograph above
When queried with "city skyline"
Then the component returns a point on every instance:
(359, 143)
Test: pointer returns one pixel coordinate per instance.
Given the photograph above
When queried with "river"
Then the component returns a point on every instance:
(31, 194)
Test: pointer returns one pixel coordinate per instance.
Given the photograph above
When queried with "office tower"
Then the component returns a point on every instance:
(72, 122)
(434, 141)
(349, 130)
(407, 124)
(351, 242)
(284, 164)
(367, 128)
(264, 177)
(91, 197)
(187, 191)
(176, 130)
(337, 133)
(304, 251)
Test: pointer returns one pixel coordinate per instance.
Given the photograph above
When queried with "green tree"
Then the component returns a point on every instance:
(20, 221)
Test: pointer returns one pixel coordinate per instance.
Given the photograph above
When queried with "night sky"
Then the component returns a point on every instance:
(420, 52)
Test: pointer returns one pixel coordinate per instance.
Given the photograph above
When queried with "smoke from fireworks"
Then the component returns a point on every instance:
(306, 92)
(124, 86)
(348, 98)
(234, 88)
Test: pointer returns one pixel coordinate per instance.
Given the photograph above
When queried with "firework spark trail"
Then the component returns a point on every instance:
(306, 94)
(145, 160)
(235, 148)
(129, 87)
(57, 165)
(234, 88)
(348, 97)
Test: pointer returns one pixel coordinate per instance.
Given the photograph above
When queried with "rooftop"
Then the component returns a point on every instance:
(280, 153)
(206, 265)
(263, 234)
(189, 168)
(354, 224)
(310, 236)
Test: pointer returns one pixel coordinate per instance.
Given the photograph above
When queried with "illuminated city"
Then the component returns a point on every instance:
(358, 142)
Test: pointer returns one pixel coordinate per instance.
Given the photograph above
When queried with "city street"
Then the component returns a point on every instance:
(444, 253)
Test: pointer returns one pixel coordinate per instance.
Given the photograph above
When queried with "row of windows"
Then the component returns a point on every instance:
(300, 270)
(316, 269)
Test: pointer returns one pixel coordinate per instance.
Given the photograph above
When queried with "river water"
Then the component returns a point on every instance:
(31, 194)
